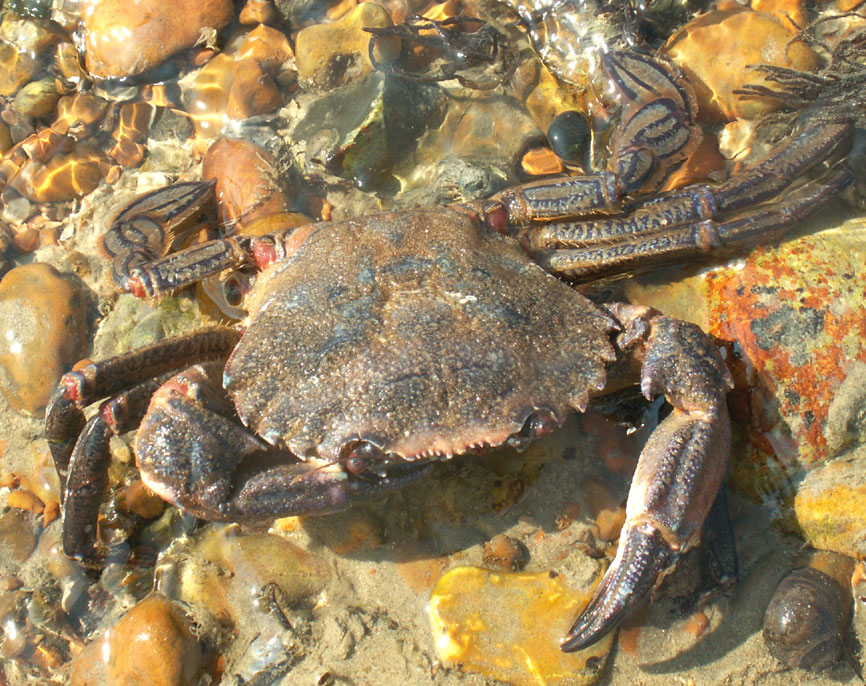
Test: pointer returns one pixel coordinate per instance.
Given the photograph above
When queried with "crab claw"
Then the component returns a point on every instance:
(679, 472)
(640, 560)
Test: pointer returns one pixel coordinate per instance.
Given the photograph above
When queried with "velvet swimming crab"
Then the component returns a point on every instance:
(377, 345)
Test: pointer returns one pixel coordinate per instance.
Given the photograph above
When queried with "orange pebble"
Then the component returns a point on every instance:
(140, 500)
(258, 12)
(52, 512)
(25, 500)
(697, 624)
(541, 160)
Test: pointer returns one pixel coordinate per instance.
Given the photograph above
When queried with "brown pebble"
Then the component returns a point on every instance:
(17, 68)
(246, 181)
(46, 334)
(504, 553)
(119, 41)
(153, 645)
(607, 509)
(541, 160)
(47, 658)
(258, 12)
(17, 538)
(419, 567)
(697, 624)
(253, 91)
(363, 531)
(267, 46)
(52, 512)
(88, 667)
(332, 55)
(566, 516)
(63, 177)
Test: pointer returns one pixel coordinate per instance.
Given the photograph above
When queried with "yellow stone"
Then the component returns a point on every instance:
(830, 505)
(508, 626)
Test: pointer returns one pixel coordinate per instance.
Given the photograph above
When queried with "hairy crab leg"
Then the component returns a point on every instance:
(146, 228)
(139, 244)
(656, 133)
(680, 469)
(691, 205)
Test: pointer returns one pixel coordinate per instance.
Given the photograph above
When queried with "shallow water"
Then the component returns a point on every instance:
(345, 598)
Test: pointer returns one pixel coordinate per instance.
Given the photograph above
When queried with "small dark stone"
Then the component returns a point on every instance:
(569, 135)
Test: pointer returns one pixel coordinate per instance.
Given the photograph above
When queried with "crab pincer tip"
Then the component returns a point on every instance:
(642, 557)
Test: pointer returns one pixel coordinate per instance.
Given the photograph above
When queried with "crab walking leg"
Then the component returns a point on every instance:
(64, 419)
(679, 472)
(139, 244)
(220, 471)
(637, 253)
(694, 204)
(87, 476)
(656, 134)
(146, 228)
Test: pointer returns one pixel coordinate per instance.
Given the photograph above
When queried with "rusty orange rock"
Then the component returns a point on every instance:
(122, 40)
(796, 314)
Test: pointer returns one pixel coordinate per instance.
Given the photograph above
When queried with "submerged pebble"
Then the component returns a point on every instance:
(830, 505)
(120, 41)
(247, 182)
(332, 55)
(507, 626)
(223, 568)
(715, 50)
(17, 537)
(44, 316)
(153, 645)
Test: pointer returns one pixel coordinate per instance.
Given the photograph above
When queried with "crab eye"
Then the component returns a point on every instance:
(539, 424)
(361, 456)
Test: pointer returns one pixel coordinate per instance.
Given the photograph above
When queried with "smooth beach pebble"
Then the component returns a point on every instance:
(152, 645)
(44, 334)
(123, 39)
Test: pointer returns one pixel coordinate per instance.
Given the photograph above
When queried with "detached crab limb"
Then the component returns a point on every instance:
(679, 472)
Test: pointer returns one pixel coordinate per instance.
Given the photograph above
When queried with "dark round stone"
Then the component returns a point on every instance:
(569, 135)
